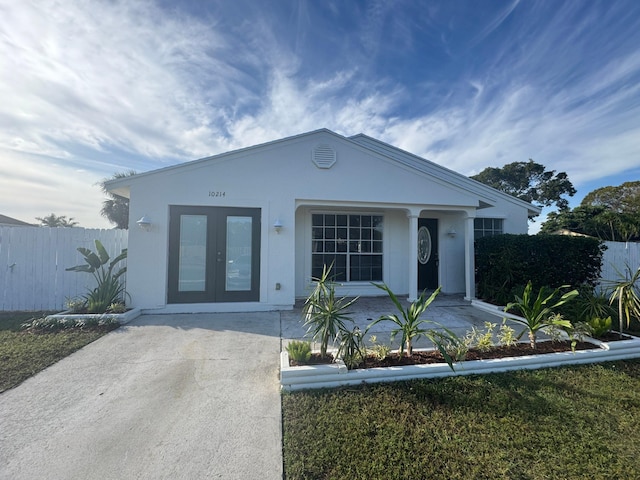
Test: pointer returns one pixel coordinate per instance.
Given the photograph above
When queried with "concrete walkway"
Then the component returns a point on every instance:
(450, 311)
(166, 397)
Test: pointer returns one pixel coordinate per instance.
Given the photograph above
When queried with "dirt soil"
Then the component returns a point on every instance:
(419, 358)
(613, 337)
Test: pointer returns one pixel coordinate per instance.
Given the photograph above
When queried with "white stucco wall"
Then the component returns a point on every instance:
(282, 181)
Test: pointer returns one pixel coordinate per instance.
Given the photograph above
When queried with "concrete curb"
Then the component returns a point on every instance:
(121, 318)
(334, 375)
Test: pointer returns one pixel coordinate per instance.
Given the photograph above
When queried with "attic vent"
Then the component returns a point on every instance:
(324, 156)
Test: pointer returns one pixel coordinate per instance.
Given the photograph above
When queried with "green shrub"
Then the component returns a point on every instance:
(43, 325)
(457, 349)
(379, 351)
(483, 341)
(299, 351)
(351, 348)
(506, 262)
(507, 335)
(117, 307)
(599, 326)
(109, 289)
(76, 305)
(589, 304)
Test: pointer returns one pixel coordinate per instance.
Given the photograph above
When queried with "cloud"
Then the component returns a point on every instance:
(39, 187)
(111, 74)
(501, 16)
(107, 86)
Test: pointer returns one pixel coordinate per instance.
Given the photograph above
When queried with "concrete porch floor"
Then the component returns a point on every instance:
(450, 311)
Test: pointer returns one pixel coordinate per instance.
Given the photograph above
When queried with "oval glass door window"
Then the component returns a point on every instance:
(424, 245)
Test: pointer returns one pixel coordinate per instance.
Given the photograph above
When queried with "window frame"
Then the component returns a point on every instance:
(372, 236)
(488, 231)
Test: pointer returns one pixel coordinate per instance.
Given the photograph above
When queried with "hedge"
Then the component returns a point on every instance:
(505, 263)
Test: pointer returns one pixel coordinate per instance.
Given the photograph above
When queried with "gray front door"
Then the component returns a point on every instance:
(214, 254)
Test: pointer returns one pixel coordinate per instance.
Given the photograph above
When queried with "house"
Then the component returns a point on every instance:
(12, 222)
(247, 230)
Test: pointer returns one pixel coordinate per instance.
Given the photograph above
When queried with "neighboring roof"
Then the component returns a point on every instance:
(8, 221)
(488, 195)
(570, 233)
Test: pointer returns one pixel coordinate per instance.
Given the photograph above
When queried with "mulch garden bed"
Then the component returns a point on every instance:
(420, 357)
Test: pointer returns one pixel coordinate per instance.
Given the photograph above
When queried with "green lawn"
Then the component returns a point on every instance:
(25, 354)
(566, 423)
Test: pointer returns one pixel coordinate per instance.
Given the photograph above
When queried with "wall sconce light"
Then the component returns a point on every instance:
(452, 232)
(277, 226)
(144, 223)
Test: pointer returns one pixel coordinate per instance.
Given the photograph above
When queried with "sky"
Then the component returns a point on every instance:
(89, 88)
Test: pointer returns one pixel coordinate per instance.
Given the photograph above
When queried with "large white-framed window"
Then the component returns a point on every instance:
(486, 227)
(352, 242)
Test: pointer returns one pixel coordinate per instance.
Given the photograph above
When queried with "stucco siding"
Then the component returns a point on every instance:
(283, 182)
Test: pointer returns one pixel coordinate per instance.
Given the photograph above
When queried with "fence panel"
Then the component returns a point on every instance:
(616, 258)
(33, 262)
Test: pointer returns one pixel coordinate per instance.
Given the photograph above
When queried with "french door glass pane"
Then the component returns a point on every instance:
(193, 253)
(238, 271)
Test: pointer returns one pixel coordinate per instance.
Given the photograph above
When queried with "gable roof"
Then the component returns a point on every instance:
(120, 186)
(488, 195)
(8, 221)
(435, 170)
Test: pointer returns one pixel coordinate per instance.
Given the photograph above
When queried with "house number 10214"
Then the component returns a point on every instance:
(216, 194)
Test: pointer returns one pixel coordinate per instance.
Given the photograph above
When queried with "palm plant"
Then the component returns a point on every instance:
(325, 314)
(53, 220)
(116, 208)
(411, 326)
(625, 293)
(351, 347)
(538, 313)
(593, 304)
(109, 288)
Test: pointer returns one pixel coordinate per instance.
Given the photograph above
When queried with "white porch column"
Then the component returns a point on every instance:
(469, 260)
(413, 256)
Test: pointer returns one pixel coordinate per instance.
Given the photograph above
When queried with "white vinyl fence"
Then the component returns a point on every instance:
(615, 259)
(33, 262)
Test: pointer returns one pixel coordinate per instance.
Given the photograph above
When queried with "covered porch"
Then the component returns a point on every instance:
(414, 247)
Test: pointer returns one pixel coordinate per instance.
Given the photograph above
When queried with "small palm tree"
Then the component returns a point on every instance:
(116, 208)
(325, 314)
(538, 313)
(53, 220)
(411, 326)
(625, 293)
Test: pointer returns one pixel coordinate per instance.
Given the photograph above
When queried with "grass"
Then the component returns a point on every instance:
(24, 354)
(565, 423)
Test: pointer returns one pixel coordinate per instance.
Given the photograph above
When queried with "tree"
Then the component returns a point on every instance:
(608, 213)
(621, 205)
(531, 182)
(624, 198)
(116, 208)
(53, 220)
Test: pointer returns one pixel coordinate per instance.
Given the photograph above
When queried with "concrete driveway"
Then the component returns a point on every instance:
(165, 397)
